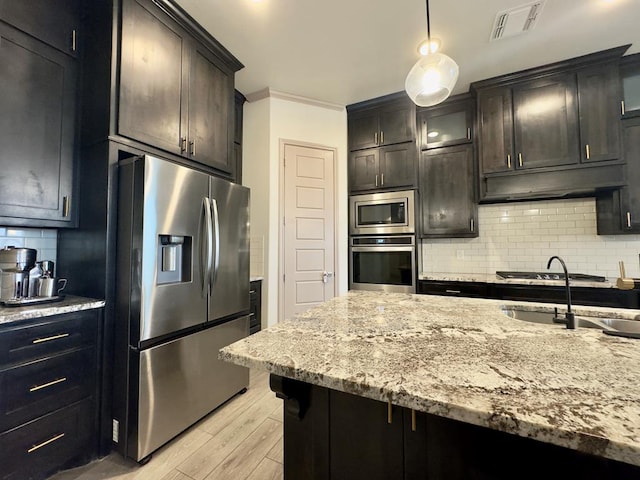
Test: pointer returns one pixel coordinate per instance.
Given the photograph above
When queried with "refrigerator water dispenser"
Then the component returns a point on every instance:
(174, 259)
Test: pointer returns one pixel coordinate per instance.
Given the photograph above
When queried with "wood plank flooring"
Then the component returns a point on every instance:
(241, 440)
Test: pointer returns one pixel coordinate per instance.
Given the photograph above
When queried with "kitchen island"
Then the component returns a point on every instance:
(463, 391)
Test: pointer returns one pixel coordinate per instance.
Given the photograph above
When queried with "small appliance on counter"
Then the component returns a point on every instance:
(23, 281)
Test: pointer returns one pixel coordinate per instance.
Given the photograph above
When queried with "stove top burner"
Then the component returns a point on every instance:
(550, 276)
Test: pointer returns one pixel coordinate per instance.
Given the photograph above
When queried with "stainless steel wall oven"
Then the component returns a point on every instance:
(385, 263)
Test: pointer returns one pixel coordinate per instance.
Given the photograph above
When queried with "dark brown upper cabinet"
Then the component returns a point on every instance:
(54, 22)
(37, 124)
(551, 131)
(630, 73)
(447, 192)
(448, 124)
(175, 94)
(382, 141)
(599, 105)
(385, 121)
(385, 167)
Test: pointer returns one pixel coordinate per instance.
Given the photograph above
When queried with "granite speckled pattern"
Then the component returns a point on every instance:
(493, 278)
(463, 359)
(66, 305)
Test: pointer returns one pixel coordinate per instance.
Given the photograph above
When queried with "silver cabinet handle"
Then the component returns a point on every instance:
(473, 224)
(48, 384)
(629, 219)
(192, 148)
(45, 443)
(183, 144)
(74, 40)
(468, 133)
(452, 291)
(48, 339)
(381, 138)
(587, 151)
(389, 412)
(413, 420)
(376, 179)
(622, 107)
(375, 138)
(66, 206)
(382, 179)
(508, 160)
(520, 159)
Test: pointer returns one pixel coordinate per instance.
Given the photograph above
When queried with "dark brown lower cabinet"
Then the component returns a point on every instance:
(335, 435)
(255, 306)
(48, 394)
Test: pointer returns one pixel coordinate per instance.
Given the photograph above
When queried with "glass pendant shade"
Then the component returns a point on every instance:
(431, 79)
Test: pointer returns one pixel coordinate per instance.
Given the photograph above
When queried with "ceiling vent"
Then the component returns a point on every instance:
(516, 20)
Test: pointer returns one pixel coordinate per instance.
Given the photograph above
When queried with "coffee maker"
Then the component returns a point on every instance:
(15, 265)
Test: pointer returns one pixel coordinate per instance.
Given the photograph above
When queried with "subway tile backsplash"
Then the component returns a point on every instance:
(45, 241)
(522, 236)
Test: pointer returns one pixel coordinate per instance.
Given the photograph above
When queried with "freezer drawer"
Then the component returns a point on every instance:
(182, 381)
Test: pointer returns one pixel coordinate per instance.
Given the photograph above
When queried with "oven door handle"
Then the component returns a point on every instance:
(407, 248)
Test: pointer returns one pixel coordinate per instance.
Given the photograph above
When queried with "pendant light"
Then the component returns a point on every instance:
(433, 77)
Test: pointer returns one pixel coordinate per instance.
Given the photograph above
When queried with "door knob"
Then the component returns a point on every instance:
(326, 276)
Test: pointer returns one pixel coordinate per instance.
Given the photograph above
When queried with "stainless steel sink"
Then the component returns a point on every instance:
(582, 321)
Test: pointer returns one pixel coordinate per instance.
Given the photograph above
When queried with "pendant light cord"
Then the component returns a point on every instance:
(428, 28)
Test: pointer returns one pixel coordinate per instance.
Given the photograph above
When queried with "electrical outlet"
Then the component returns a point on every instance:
(460, 254)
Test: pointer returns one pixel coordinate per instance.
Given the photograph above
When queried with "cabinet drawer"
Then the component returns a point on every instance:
(43, 446)
(43, 337)
(29, 391)
(458, 289)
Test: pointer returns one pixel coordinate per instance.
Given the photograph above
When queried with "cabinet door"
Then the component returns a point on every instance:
(36, 129)
(364, 442)
(397, 124)
(54, 22)
(398, 165)
(447, 192)
(546, 122)
(630, 195)
(599, 106)
(363, 130)
(152, 75)
(445, 126)
(630, 72)
(210, 137)
(495, 147)
(364, 170)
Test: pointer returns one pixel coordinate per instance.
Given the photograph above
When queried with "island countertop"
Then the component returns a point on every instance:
(463, 359)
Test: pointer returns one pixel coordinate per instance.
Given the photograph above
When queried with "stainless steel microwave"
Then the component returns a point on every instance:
(382, 213)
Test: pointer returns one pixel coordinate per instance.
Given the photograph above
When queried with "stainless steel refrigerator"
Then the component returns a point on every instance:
(182, 294)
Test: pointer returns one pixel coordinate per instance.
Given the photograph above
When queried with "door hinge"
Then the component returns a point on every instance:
(284, 220)
(283, 278)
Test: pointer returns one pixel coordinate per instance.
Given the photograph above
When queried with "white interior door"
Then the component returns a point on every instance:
(309, 222)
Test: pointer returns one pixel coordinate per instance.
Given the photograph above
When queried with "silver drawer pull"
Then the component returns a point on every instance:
(252, 314)
(251, 292)
(48, 339)
(45, 443)
(452, 291)
(45, 385)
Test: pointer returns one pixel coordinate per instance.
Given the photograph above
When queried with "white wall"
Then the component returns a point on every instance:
(266, 123)
(523, 236)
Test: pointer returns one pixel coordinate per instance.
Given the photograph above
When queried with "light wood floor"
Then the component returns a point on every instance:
(242, 440)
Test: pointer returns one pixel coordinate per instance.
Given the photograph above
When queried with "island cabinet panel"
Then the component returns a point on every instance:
(37, 130)
(447, 192)
(175, 94)
(334, 435)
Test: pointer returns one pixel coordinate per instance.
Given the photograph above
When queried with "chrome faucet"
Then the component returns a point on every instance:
(569, 319)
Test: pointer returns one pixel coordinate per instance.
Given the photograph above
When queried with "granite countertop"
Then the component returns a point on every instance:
(493, 278)
(463, 359)
(67, 305)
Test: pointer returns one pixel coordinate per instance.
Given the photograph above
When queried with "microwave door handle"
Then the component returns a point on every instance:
(216, 232)
(207, 243)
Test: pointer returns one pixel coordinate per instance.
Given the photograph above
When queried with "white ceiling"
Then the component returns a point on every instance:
(345, 51)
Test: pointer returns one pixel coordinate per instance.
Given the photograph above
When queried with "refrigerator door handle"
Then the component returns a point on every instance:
(216, 228)
(208, 241)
